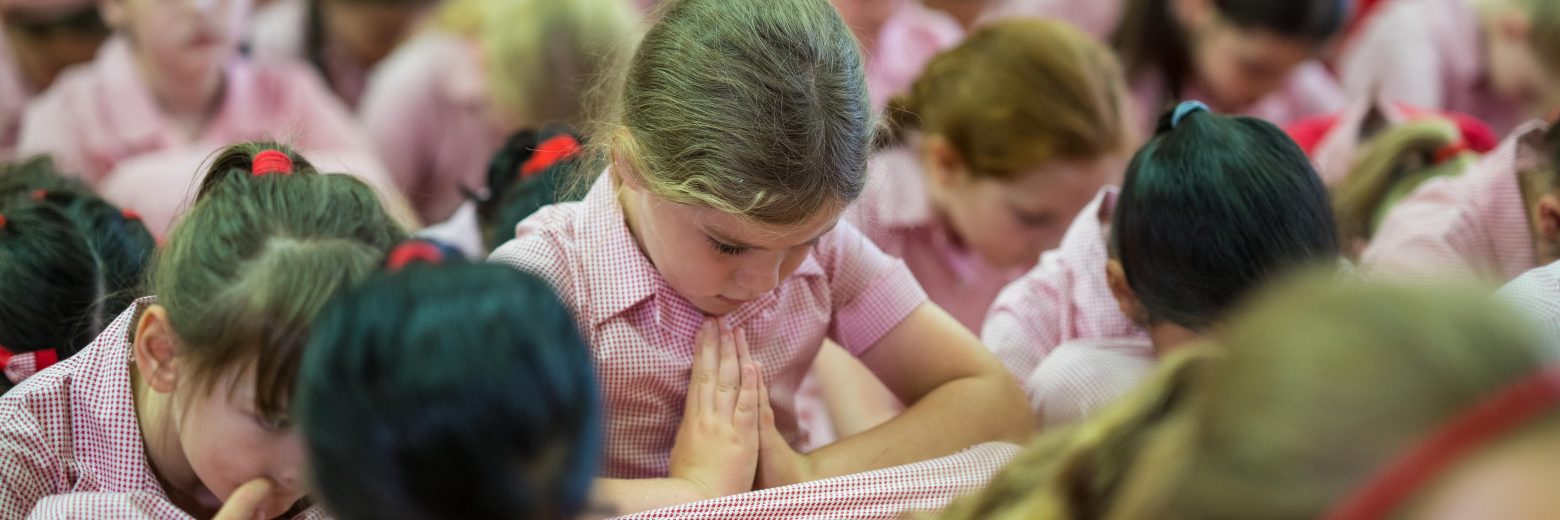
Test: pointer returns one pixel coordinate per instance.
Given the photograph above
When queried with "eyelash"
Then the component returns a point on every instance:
(726, 249)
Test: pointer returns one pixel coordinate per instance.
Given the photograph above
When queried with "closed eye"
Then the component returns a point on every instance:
(726, 249)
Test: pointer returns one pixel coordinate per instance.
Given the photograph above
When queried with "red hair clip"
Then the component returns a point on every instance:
(558, 148)
(1500, 413)
(269, 162)
(18, 367)
(413, 252)
(130, 214)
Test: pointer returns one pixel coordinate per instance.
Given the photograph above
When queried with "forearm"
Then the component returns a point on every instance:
(953, 416)
(624, 496)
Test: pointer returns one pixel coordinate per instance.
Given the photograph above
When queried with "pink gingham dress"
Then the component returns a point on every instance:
(895, 211)
(1083, 376)
(1537, 294)
(909, 39)
(70, 442)
(885, 493)
(1064, 298)
(641, 331)
(1472, 225)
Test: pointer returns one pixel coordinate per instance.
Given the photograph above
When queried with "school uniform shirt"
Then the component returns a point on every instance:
(886, 493)
(279, 31)
(1064, 298)
(70, 441)
(1472, 225)
(1537, 294)
(895, 211)
(1426, 53)
(427, 112)
(99, 114)
(642, 332)
(1081, 377)
(1310, 90)
(1098, 18)
(1333, 141)
(908, 40)
(462, 231)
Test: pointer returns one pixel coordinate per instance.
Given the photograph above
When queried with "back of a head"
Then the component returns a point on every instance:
(757, 109)
(1149, 38)
(1323, 384)
(460, 391)
(71, 261)
(1389, 166)
(533, 169)
(542, 56)
(1017, 94)
(266, 244)
(1212, 207)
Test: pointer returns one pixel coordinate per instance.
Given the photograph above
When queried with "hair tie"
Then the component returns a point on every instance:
(1184, 109)
(558, 148)
(1500, 413)
(416, 251)
(40, 194)
(2, 226)
(130, 214)
(18, 367)
(1448, 152)
(269, 162)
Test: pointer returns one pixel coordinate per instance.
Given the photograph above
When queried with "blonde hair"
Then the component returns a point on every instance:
(1315, 387)
(542, 55)
(757, 109)
(1391, 165)
(1017, 94)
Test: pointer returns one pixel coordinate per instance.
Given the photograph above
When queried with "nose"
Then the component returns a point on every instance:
(759, 275)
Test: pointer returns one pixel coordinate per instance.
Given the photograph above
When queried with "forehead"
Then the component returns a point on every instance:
(749, 232)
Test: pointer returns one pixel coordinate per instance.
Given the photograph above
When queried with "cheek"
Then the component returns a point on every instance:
(223, 447)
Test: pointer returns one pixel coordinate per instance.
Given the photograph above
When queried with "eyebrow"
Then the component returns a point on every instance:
(722, 238)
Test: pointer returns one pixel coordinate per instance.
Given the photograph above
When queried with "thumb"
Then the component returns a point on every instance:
(245, 502)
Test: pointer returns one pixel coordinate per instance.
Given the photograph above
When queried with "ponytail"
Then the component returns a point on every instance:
(1393, 164)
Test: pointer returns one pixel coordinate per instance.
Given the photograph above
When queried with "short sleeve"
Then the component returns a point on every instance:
(543, 247)
(107, 506)
(26, 464)
(1021, 328)
(870, 291)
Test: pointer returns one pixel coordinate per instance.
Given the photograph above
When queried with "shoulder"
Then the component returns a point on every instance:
(545, 244)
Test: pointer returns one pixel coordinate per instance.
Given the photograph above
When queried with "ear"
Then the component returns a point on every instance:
(156, 349)
(943, 162)
(1192, 14)
(114, 13)
(1116, 278)
(1548, 213)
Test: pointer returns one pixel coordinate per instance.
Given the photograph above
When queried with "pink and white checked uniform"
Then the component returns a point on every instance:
(1537, 294)
(885, 493)
(104, 112)
(70, 442)
(641, 331)
(895, 211)
(1082, 376)
(1310, 90)
(908, 40)
(1430, 54)
(1472, 225)
(1064, 298)
(427, 112)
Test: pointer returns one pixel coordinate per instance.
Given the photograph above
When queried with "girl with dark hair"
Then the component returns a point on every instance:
(69, 263)
(1213, 206)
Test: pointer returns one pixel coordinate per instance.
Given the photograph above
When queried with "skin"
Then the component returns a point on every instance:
(206, 444)
(41, 58)
(1238, 67)
(959, 394)
(1009, 222)
(181, 48)
(867, 17)
(369, 31)
(1509, 480)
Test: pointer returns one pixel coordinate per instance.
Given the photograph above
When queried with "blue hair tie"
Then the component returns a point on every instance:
(1184, 109)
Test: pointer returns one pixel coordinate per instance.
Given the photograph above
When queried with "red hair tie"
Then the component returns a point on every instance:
(1502, 412)
(271, 161)
(130, 214)
(413, 252)
(40, 194)
(18, 367)
(2, 226)
(558, 148)
(1448, 152)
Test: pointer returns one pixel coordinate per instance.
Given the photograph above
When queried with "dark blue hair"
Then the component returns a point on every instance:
(512, 196)
(450, 391)
(1213, 206)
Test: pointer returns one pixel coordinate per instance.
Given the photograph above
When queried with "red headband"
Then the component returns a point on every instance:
(558, 148)
(412, 252)
(271, 161)
(1502, 412)
(18, 367)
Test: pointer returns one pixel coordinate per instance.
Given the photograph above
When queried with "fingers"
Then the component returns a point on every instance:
(730, 373)
(746, 417)
(701, 379)
(246, 501)
(765, 413)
